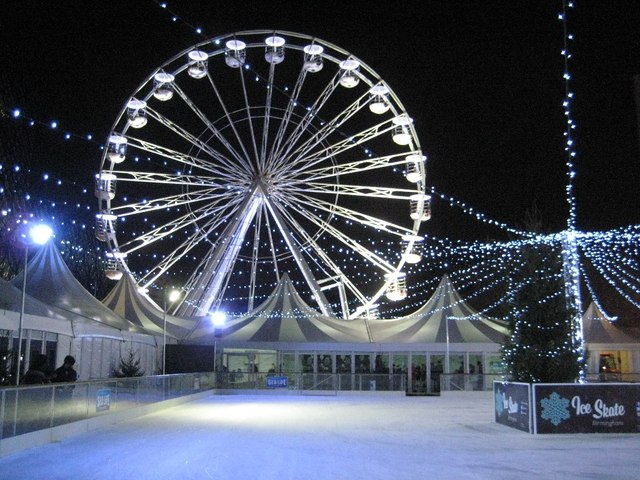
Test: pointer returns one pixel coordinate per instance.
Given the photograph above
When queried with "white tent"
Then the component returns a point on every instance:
(284, 318)
(604, 339)
(126, 300)
(50, 281)
(98, 337)
(37, 315)
(444, 318)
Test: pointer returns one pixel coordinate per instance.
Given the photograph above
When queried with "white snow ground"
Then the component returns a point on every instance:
(327, 437)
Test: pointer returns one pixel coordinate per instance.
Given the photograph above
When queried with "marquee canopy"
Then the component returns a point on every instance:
(127, 301)
(284, 317)
(50, 281)
(598, 330)
(444, 313)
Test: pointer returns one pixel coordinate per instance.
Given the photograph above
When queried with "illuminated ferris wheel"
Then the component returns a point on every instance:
(261, 153)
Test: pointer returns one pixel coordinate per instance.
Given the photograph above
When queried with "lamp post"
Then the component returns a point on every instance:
(37, 235)
(218, 318)
(173, 296)
(446, 368)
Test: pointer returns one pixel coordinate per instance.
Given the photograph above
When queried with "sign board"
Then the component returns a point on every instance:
(587, 408)
(103, 400)
(279, 381)
(512, 405)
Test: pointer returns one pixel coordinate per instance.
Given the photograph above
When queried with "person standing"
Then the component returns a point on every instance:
(66, 372)
(32, 412)
(63, 402)
(36, 375)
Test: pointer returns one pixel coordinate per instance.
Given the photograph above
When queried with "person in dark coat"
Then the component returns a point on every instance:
(65, 373)
(63, 406)
(36, 374)
(32, 413)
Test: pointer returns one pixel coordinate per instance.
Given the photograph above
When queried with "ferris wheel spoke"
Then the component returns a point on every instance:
(250, 119)
(191, 242)
(158, 233)
(223, 169)
(213, 214)
(339, 147)
(192, 139)
(353, 216)
(242, 160)
(255, 254)
(204, 289)
(345, 239)
(182, 180)
(210, 126)
(178, 254)
(365, 191)
(213, 204)
(267, 118)
(329, 128)
(280, 150)
(324, 260)
(161, 203)
(351, 168)
(272, 160)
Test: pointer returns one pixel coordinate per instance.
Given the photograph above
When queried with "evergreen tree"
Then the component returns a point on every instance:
(541, 347)
(129, 367)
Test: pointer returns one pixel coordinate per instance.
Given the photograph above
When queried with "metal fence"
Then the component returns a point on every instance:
(27, 409)
(613, 377)
(383, 382)
(310, 382)
(466, 382)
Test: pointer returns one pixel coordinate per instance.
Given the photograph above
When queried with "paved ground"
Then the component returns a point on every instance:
(333, 437)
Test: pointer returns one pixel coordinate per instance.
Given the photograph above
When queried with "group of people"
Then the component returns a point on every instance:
(38, 371)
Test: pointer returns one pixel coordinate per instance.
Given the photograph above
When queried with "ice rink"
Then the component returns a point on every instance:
(370, 436)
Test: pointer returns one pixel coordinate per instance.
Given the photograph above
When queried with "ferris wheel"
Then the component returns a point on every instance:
(258, 154)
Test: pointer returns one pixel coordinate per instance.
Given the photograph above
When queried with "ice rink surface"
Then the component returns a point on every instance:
(352, 437)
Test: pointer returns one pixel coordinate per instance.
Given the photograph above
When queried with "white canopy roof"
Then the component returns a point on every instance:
(50, 281)
(597, 329)
(285, 317)
(127, 301)
(445, 310)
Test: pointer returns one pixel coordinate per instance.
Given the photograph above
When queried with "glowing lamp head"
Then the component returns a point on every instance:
(173, 296)
(40, 234)
(218, 319)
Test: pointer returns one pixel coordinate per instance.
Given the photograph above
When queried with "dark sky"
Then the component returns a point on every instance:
(482, 80)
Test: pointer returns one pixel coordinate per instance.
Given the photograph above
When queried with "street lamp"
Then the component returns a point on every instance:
(37, 235)
(173, 296)
(218, 318)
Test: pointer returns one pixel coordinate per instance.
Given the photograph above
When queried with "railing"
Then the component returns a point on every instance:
(467, 381)
(27, 409)
(613, 377)
(307, 382)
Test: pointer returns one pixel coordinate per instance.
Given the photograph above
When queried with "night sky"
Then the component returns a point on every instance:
(482, 80)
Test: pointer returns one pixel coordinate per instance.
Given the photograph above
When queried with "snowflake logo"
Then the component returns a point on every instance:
(555, 409)
(499, 402)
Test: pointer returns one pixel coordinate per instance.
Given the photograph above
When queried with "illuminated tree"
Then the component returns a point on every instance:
(541, 347)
